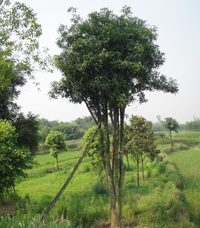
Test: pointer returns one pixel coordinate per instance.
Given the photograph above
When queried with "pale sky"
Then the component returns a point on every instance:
(178, 23)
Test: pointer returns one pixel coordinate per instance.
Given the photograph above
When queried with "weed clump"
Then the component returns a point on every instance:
(100, 189)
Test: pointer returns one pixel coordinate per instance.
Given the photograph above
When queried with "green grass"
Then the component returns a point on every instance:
(45, 161)
(188, 166)
(168, 198)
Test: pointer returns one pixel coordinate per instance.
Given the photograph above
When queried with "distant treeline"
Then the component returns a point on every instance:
(70, 130)
(77, 128)
(191, 126)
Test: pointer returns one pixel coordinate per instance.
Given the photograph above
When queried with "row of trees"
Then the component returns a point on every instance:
(72, 130)
(139, 144)
(193, 125)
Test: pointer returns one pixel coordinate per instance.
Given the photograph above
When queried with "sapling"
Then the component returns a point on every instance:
(55, 140)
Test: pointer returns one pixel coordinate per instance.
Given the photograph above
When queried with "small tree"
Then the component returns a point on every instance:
(13, 160)
(161, 136)
(55, 140)
(172, 125)
(140, 143)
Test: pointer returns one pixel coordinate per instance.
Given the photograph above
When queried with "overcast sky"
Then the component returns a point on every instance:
(178, 23)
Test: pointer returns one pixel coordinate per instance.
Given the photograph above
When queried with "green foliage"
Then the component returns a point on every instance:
(13, 160)
(161, 166)
(91, 63)
(140, 140)
(19, 45)
(100, 189)
(108, 61)
(161, 136)
(27, 129)
(188, 165)
(55, 140)
(19, 57)
(74, 130)
(94, 148)
(193, 125)
(84, 123)
(140, 143)
(159, 202)
(171, 125)
(158, 126)
(43, 133)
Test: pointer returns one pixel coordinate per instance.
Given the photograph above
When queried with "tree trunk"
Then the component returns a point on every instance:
(128, 162)
(57, 164)
(115, 216)
(121, 161)
(70, 177)
(142, 168)
(115, 167)
(138, 172)
(113, 163)
(170, 133)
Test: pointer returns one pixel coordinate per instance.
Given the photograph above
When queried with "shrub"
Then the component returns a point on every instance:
(100, 189)
(161, 167)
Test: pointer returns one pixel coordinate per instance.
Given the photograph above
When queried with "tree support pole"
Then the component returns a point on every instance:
(70, 177)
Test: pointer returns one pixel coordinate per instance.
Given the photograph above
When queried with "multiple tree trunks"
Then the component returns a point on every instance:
(109, 61)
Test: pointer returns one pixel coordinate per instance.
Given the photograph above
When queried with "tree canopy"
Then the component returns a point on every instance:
(140, 142)
(109, 61)
(55, 140)
(20, 53)
(13, 160)
(107, 56)
(27, 128)
(171, 125)
(19, 42)
(20, 57)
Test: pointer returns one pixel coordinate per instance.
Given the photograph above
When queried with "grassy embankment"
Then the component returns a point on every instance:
(165, 199)
(187, 163)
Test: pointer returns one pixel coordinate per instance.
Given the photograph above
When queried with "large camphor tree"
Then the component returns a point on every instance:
(109, 61)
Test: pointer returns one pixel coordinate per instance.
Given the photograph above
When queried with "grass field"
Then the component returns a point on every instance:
(168, 198)
(188, 166)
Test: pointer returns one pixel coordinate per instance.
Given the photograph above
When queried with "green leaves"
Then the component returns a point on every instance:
(107, 56)
(171, 124)
(139, 139)
(13, 160)
(55, 140)
(95, 147)
(19, 42)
